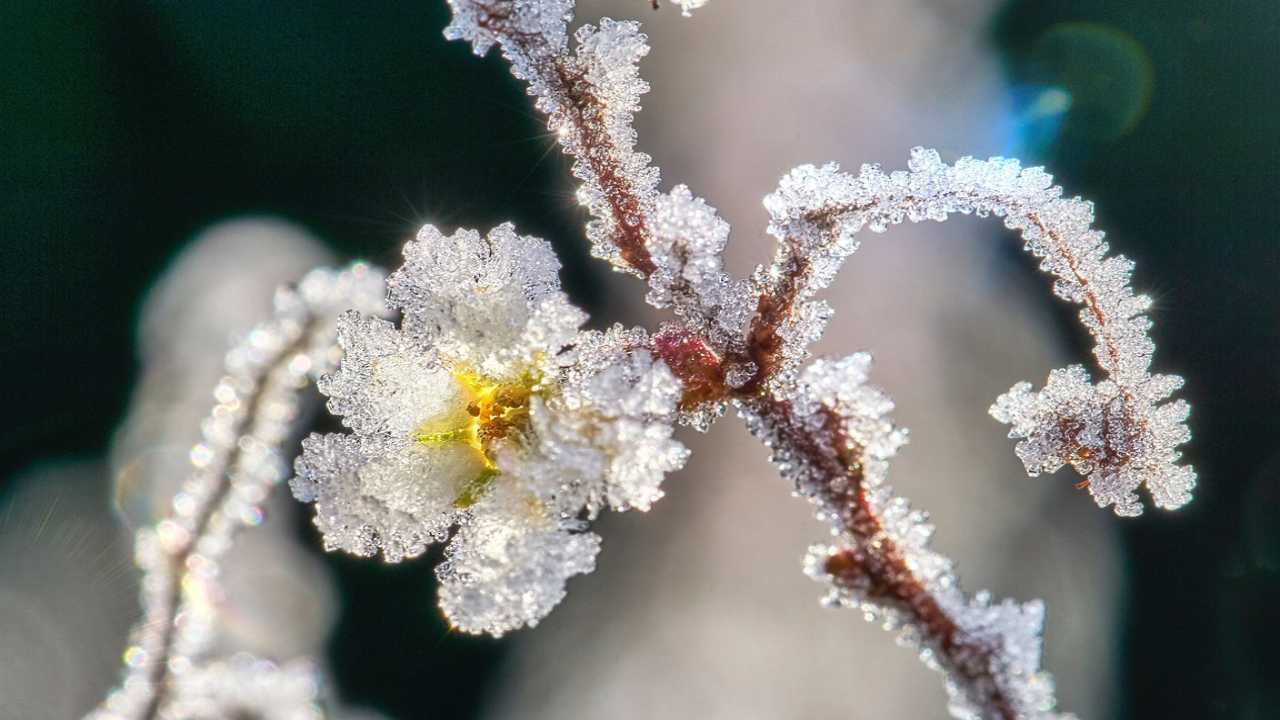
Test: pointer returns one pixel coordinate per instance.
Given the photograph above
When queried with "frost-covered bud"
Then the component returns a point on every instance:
(490, 410)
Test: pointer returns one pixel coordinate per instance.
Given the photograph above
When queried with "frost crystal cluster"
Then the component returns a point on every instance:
(488, 418)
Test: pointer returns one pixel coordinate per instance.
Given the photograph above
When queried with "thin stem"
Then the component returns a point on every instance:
(158, 666)
(874, 566)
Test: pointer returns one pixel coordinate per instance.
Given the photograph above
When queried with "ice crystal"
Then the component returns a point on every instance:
(489, 303)
(688, 6)
(509, 562)
(817, 212)
(1073, 421)
(247, 687)
(611, 421)
(487, 409)
(881, 562)
(484, 23)
(687, 247)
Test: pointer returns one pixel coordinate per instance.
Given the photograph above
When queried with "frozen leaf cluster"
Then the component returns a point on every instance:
(1072, 421)
(487, 410)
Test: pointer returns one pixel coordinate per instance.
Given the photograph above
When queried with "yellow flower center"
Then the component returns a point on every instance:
(494, 411)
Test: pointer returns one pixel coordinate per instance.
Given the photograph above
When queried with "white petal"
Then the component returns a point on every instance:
(605, 438)
(328, 474)
(388, 385)
(505, 570)
(471, 296)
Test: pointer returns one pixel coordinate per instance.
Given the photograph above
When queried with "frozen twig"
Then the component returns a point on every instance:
(746, 342)
(1116, 433)
(241, 457)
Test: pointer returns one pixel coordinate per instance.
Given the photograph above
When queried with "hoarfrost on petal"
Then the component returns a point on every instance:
(488, 408)
(605, 440)
(468, 295)
(328, 473)
(507, 566)
(385, 382)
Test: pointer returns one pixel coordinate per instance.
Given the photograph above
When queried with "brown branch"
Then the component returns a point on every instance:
(764, 341)
(765, 344)
(588, 117)
(587, 113)
(874, 566)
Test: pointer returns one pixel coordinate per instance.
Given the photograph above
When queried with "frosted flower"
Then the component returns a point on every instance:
(490, 410)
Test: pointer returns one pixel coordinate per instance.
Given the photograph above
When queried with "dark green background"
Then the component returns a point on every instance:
(126, 126)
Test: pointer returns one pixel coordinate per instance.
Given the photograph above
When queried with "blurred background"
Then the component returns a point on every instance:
(129, 129)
